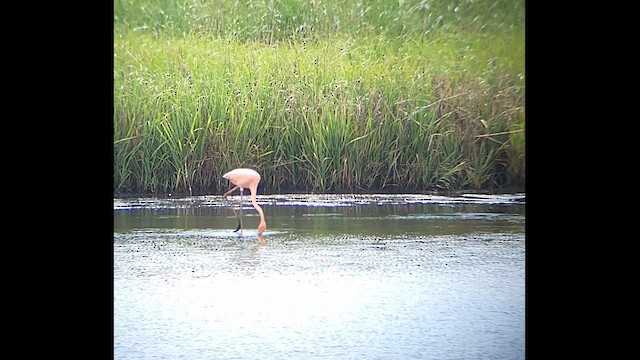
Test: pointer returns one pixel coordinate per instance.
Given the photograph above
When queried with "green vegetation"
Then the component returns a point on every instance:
(319, 96)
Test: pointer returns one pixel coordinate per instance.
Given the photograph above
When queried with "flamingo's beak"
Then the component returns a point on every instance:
(261, 228)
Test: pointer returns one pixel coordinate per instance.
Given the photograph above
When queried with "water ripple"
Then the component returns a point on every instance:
(322, 200)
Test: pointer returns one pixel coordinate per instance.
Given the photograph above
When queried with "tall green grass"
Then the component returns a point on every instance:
(318, 95)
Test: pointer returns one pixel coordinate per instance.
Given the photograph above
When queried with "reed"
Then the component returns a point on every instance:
(331, 96)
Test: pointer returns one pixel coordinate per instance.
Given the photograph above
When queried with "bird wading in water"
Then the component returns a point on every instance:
(243, 179)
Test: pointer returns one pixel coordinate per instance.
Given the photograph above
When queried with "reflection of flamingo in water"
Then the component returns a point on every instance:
(246, 178)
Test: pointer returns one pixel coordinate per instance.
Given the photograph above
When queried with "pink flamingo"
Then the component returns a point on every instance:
(246, 178)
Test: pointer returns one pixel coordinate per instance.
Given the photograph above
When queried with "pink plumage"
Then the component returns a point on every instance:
(244, 178)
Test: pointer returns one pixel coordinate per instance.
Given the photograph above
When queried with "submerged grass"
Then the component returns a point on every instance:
(318, 96)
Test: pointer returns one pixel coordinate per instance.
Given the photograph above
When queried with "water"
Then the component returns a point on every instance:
(333, 277)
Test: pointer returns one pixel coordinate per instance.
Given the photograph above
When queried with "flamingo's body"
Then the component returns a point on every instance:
(242, 179)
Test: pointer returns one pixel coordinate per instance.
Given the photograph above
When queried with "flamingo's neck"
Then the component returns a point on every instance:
(263, 224)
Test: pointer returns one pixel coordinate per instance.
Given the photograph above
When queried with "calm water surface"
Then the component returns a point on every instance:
(334, 277)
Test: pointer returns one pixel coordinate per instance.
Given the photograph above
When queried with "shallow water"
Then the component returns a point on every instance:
(335, 276)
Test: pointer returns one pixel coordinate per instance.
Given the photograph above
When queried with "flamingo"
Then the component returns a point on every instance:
(246, 178)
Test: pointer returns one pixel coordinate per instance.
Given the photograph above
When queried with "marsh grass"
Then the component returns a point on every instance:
(330, 96)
